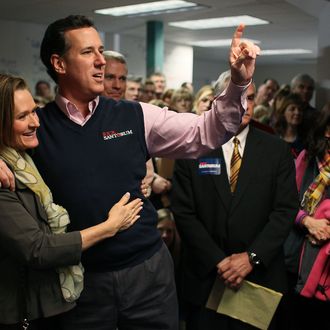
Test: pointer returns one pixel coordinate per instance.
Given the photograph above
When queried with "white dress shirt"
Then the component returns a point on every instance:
(228, 148)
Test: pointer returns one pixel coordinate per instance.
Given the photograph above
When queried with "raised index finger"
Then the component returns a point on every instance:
(237, 35)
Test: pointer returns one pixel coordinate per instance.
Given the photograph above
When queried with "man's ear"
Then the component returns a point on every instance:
(57, 63)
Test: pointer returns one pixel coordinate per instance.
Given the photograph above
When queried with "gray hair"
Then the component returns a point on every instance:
(302, 77)
(112, 55)
(134, 79)
(222, 82)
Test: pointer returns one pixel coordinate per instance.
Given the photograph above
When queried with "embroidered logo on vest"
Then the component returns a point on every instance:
(114, 135)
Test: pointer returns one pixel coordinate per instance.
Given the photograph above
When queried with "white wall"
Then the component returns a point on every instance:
(133, 49)
(20, 43)
(178, 59)
(178, 64)
(19, 55)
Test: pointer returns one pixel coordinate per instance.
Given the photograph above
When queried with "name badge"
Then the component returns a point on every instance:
(209, 166)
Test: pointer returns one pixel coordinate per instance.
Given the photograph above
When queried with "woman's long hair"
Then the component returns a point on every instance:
(8, 85)
(175, 247)
(280, 123)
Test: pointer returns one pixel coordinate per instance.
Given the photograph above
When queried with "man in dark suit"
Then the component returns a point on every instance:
(234, 232)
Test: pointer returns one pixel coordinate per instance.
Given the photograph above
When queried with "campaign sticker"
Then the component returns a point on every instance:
(209, 166)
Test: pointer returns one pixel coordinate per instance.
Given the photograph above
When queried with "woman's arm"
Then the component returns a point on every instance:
(22, 238)
(121, 216)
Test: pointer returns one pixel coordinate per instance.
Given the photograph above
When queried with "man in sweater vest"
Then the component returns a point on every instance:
(115, 85)
(93, 149)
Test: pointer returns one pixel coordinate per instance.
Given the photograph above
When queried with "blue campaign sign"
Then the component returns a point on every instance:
(209, 166)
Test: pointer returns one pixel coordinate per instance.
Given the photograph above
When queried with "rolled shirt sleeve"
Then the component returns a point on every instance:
(186, 135)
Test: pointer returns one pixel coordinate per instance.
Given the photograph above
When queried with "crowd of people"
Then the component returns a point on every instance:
(102, 145)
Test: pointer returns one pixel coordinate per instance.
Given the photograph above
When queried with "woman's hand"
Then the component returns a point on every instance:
(7, 179)
(145, 188)
(319, 229)
(123, 214)
(147, 181)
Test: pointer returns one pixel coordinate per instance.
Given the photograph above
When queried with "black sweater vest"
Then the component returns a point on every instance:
(88, 169)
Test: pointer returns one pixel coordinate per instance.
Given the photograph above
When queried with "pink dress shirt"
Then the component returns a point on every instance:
(181, 135)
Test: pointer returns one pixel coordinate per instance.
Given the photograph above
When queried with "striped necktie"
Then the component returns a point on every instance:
(235, 165)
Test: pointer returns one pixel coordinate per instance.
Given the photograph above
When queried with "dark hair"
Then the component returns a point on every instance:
(272, 80)
(317, 143)
(280, 124)
(168, 93)
(8, 86)
(42, 82)
(186, 84)
(54, 41)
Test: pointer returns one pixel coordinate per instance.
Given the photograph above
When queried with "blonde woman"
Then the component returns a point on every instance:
(203, 99)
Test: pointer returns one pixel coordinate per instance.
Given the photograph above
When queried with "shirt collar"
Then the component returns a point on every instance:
(242, 140)
(242, 135)
(71, 110)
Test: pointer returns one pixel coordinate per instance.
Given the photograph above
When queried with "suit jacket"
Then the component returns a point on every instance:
(214, 224)
(29, 254)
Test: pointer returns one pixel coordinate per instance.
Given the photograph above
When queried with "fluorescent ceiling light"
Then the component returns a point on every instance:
(153, 8)
(221, 22)
(285, 51)
(217, 43)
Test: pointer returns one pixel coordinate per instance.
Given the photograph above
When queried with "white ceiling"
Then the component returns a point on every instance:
(294, 23)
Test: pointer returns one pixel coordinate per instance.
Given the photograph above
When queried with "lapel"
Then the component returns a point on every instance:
(221, 181)
(31, 202)
(249, 165)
